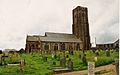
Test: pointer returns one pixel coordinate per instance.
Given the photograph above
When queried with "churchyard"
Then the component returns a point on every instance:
(48, 63)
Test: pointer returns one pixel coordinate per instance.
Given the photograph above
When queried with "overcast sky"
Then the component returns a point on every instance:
(21, 17)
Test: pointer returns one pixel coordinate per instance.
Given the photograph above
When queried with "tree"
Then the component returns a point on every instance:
(21, 50)
(0, 51)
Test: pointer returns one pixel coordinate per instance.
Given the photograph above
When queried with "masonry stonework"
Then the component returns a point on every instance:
(79, 40)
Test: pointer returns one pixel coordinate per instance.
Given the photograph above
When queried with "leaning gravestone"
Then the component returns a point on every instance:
(91, 68)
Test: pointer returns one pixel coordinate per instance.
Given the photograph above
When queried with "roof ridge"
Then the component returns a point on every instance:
(57, 33)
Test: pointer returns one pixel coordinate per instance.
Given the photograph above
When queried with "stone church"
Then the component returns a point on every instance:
(78, 40)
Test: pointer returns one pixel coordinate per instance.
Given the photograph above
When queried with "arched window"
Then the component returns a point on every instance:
(70, 47)
(33, 46)
(62, 46)
(30, 48)
(78, 46)
(46, 47)
(56, 47)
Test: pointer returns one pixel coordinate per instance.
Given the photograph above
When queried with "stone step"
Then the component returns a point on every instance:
(60, 69)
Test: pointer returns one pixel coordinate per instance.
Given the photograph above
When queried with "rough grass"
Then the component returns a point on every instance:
(35, 64)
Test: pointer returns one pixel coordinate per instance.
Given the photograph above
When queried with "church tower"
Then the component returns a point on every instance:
(81, 26)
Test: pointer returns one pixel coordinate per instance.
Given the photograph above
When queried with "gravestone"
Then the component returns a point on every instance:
(54, 63)
(112, 51)
(63, 62)
(52, 55)
(84, 58)
(91, 68)
(67, 56)
(22, 63)
(45, 59)
(58, 57)
(83, 51)
(95, 59)
(117, 66)
(97, 53)
(107, 53)
(55, 56)
(93, 51)
(71, 52)
(117, 50)
(3, 59)
(63, 53)
(70, 65)
(79, 56)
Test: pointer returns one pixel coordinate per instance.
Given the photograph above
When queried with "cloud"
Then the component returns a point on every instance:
(105, 27)
(21, 17)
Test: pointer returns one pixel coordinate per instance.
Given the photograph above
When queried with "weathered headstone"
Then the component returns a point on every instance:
(95, 59)
(67, 56)
(84, 60)
(70, 65)
(58, 57)
(107, 53)
(22, 63)
(55, 56)
(93, 51)
(45, 59)
(117, 66)
(91, 68)
(112, 51)
(52, 55)
(79, 56)
(63, 53)
(3, 59)
(63, 62)
(97, 53)
(54, 63)
(71, 52)
(83, 51)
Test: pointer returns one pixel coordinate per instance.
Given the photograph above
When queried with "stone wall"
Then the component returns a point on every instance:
(36, 46)
(81, 26)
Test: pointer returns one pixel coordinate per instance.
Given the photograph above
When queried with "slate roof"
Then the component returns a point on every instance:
(32, 38)
(54, 37)
(59, 35)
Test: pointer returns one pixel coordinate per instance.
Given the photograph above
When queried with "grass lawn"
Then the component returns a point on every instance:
(35, 65)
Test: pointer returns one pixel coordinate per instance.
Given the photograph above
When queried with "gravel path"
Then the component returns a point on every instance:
(108, 70)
